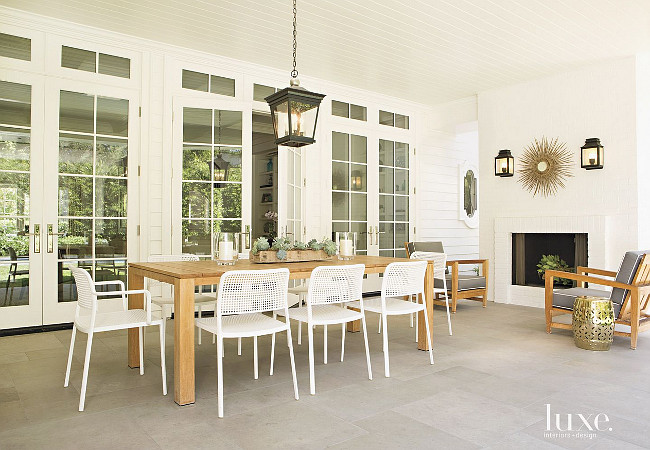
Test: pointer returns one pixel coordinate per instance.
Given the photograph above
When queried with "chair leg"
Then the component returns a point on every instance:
(386, 361)
(293, 363)
(365, 341)
(342, 340)
(84, 378)
(448, 316)
(325, 345)
(299, 333)
(220, 376)
(272, 353)
(238, 346)
(312, 381)
(141, 341)
(255, 362)
(67, 370)
(426, 323)
(163, 366)
(198, 329)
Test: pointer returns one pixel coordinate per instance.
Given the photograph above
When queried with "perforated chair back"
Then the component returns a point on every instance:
(335, 284)
(439, 262)
(252, 291)
(403, 278)
(86, 295)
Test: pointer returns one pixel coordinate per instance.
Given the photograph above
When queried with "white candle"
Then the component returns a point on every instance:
(345, 247)
(226, 251)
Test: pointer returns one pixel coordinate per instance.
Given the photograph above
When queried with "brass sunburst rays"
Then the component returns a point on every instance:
(545, 166)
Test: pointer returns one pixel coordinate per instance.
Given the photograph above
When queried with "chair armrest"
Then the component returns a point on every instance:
(605, 273)
(147, 296)
(465, 261)
(587, 278)
(108, 283)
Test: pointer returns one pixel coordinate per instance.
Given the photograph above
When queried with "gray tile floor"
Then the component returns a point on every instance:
(488, 388)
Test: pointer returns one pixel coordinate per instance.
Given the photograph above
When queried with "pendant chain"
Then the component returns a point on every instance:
(294, 72)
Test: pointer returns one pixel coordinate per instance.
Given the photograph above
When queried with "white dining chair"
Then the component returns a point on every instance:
(301, 291)
(401, 279)
(243, 297)
(89, 320)
(331, 288)
(165, 301)
(439, 274)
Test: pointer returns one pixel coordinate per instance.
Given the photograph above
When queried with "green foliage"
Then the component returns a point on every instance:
(282, 243)
(260, 244)
(18, 243)
(315, 245)
(282, 254)
(329, 246)
(554, 262)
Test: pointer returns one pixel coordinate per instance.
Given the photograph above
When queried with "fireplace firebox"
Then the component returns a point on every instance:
(528, 248)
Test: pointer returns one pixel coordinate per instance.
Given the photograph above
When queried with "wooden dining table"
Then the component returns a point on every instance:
(185, 275)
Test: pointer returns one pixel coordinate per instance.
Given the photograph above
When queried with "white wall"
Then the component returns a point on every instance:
(447, 139)
(597, 101)
(643, 146)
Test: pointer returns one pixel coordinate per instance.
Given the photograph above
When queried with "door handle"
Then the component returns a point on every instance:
(36, 234)
(50, 237)
(377, 233)
(372, 239)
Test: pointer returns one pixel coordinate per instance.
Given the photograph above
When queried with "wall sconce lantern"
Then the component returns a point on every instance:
(294, 109)
(504, 164)
(220, 167)
(592, 154)
(356, 180)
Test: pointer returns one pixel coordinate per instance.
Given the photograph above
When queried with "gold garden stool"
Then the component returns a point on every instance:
(593, 323)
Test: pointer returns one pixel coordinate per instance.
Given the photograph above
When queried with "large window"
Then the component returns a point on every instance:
(393, 198)
(15, 47)
(350, 185)
(205, 82)
(93, 161)
(88, 61)
(212, 176)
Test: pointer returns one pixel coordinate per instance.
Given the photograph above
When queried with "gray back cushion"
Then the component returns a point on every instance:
(626, 273)
(435, 247)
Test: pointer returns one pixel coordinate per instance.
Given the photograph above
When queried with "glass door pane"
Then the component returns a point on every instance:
(93, 189)
(20, 208)
(350, 186)
(290, 207)
(212, 177)
(394, 217)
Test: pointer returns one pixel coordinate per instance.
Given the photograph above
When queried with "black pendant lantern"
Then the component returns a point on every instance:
(220, 171)
(294, 109)
(504, 164)
(592, 154)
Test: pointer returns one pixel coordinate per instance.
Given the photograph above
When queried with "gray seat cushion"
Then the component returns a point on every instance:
(465, 282)
(435, 247)
(564, 298)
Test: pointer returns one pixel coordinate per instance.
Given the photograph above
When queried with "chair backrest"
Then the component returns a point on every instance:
(641, 276)
(335, 284)
(12, 254)
(403, 278)
(439, 262)
(423, 246)
(626, 274)
(86, 295)
(251, 291)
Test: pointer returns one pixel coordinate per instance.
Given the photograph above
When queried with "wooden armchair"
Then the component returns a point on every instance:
(470, 287)
(630, 293)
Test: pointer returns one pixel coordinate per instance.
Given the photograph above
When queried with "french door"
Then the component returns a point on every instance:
(212, 170)
(69, 193)
(290, 193)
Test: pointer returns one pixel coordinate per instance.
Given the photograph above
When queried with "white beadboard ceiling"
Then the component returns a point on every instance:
(425, 51)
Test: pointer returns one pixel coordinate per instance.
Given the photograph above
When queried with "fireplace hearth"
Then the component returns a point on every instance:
(528, 248)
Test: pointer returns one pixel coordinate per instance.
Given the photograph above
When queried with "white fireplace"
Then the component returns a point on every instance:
(504, 290)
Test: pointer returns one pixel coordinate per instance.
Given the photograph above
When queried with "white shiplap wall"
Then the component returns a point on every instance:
(448, 139)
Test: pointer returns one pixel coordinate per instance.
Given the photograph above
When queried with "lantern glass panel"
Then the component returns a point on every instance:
(592, 156)
(281, 119)
(303, 118)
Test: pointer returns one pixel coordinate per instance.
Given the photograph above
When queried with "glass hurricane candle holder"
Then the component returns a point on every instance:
(346, 243)
(226, 248)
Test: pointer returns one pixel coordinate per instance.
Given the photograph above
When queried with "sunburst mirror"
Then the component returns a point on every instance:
(545, 166)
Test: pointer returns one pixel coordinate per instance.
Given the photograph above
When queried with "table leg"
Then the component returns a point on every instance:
(428, 300)
(184, 342)
(136, 301)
